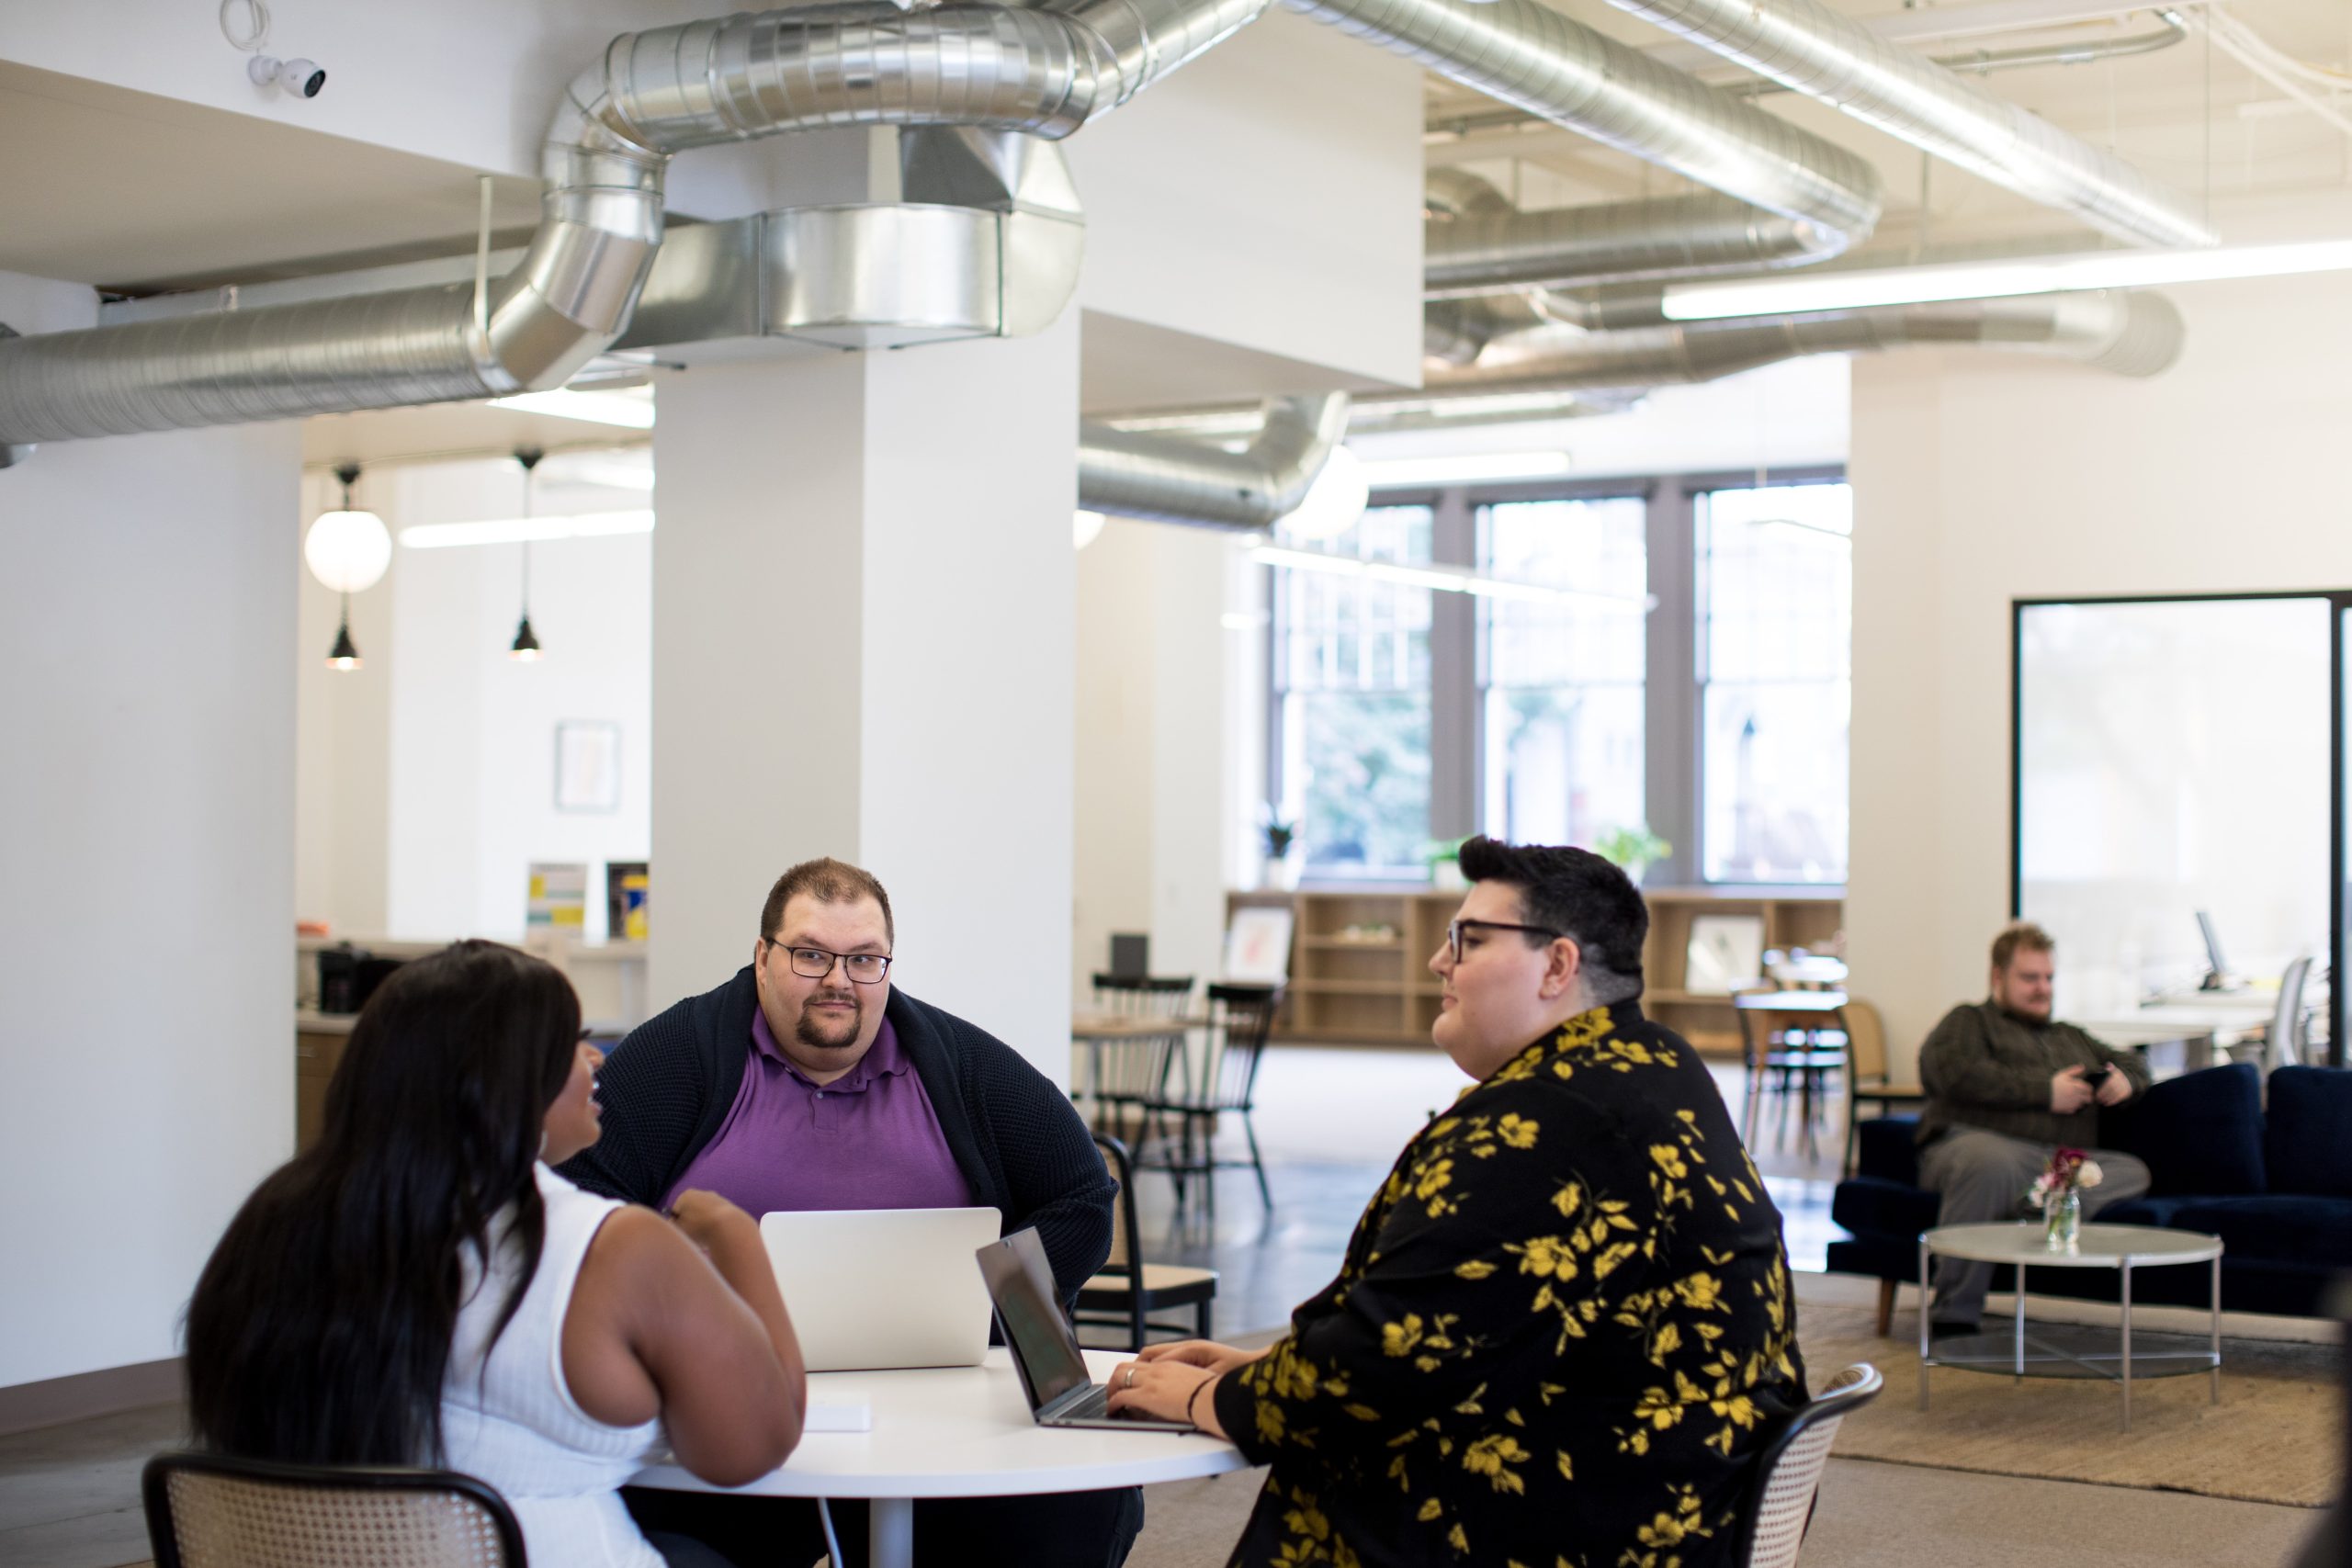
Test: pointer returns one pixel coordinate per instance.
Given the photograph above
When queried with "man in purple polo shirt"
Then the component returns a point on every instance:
(809, 1081)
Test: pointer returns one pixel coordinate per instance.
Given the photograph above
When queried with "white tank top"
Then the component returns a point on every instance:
(515, 1424)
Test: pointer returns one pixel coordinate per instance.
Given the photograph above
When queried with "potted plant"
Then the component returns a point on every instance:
(1281, 837)
(1444, 859)
(1635, 848)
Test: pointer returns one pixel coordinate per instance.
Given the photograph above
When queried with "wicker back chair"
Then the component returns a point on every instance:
(1788, 1470)
(208, 1511)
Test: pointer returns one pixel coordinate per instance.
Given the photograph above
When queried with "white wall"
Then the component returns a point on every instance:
(1981, 478)
(343, 737)
(147, 618)
(472, 732)
(1158, 729)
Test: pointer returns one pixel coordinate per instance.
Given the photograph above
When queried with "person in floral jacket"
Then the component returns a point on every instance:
(1566, 1319)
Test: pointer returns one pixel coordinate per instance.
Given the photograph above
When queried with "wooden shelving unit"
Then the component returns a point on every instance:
(1382, 992)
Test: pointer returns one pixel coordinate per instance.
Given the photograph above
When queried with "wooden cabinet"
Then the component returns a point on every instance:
(1360, 959)
(319, 1040)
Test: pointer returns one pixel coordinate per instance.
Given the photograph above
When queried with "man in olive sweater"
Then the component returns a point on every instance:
(2008, 1087)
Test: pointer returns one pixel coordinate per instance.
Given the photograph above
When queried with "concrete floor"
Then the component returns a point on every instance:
(1331, 1124)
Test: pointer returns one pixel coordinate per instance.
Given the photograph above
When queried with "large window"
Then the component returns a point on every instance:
(1776, 575)
(1352, 677)
(1543, 701)
(1561, 679)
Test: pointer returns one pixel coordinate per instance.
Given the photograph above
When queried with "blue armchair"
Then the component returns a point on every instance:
(2276, 1189)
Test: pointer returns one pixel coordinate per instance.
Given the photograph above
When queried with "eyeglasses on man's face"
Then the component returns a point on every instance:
(815, 962)
(1462, 936)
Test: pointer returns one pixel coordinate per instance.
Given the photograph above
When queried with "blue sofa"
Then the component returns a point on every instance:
(2276, 1189)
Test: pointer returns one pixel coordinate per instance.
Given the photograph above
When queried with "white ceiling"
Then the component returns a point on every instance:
(124, 189)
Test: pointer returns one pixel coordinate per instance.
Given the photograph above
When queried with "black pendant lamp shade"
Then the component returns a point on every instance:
(344, 654)
(525, 649)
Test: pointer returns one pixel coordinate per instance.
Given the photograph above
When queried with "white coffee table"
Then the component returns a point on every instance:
(960, 1432)
(2121, 1248)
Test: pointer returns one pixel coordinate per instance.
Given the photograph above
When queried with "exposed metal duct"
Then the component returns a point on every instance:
(1041, 71)
(2129, 333)
(1675, 236)
(1171, 479)
(1534, 59)
(1805, 45)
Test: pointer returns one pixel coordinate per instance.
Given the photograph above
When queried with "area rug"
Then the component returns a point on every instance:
(2276, 1436)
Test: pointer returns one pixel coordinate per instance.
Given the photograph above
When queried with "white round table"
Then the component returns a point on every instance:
(960, 1432)
(2121, 1248)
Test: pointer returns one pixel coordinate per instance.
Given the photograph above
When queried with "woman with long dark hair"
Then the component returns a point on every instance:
(420, 1287)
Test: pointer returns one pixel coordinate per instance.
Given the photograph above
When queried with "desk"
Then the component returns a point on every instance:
(2198, 1027)
(960, 1432)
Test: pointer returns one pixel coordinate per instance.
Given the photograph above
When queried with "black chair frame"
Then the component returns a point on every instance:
(154, 1488)
(1231, 1063)
(1781, 1435)
(1131, 1309)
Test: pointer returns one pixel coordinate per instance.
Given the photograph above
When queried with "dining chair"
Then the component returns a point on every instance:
(1788, 1470)
(1182, 1121)
(2283, 1045)
(1128, 1291)
(1786, 1039)
(211, 1511)
(1143, 995)
(1869, 1078)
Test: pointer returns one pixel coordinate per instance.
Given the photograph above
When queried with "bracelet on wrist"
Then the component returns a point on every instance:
(1198, 1388)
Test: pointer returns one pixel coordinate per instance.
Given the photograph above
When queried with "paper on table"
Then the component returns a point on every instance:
(844, 1415)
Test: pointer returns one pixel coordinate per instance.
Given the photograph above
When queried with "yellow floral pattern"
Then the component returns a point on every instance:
(1559, 1330)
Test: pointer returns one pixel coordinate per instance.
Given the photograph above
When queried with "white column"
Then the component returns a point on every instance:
(863, 637)
(147, 616)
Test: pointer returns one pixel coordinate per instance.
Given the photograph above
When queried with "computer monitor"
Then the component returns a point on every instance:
(2216, 972)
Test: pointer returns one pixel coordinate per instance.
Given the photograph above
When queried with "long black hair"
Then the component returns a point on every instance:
(319, 1330)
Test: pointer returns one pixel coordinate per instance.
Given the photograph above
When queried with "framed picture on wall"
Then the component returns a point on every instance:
(1724, 951)
(587, 765)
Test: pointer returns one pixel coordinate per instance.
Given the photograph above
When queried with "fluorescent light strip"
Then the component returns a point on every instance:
(1394, 472)
(597, 408)
(1443, 579)
(517, 530)
(1999, 279)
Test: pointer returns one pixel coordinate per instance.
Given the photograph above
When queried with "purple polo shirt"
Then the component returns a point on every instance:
(867, 1140)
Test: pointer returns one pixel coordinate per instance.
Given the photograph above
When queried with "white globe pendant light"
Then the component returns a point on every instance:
(348, 551)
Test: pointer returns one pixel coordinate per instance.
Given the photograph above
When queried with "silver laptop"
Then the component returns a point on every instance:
(1044, 1351)
(871, 1289)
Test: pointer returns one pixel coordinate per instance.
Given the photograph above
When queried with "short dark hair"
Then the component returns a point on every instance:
(2020, 935)
(1577, 893)
(829, 881)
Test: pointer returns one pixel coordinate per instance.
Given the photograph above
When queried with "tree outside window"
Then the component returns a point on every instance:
(1351, 674)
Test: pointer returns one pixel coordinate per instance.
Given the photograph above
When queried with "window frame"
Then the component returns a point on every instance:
(1673, 697)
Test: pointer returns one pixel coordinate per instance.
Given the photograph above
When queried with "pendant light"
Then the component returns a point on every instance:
(348, 551)
(526, 647)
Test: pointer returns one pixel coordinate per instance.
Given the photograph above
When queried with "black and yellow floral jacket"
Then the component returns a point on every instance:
(1558, 1330)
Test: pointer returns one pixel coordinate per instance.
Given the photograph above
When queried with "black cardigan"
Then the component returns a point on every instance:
(667, 1087)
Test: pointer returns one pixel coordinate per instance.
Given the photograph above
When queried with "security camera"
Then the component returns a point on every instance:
(303, 78)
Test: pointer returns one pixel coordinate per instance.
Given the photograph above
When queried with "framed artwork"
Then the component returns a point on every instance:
(1724, 951)
(587, 765)
(1257, 946)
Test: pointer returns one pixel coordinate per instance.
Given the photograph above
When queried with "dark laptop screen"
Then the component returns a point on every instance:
(1021, 1282)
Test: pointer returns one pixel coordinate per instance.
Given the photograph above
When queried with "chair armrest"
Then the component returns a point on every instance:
(1889, 1149)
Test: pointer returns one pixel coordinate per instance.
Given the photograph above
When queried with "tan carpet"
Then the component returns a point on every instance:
(2274, 1437)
